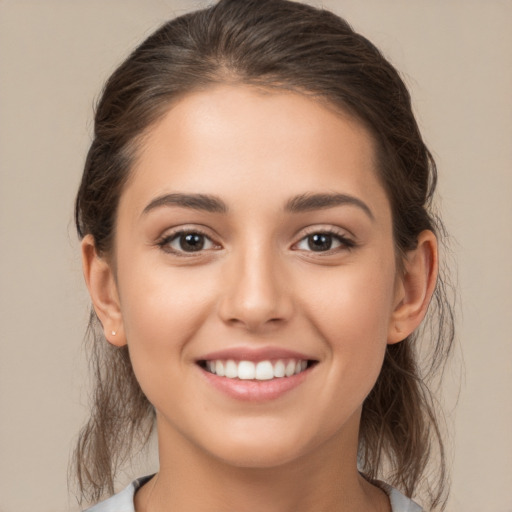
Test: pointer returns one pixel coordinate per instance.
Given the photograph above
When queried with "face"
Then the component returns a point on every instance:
(255, 240)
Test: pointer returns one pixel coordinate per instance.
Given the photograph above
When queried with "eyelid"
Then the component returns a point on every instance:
(164, 240)
(346, 241)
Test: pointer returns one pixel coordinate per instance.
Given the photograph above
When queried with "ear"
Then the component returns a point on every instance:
(100, 280)
(414, 288)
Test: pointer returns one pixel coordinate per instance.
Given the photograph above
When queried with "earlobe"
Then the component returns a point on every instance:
(100, 281)
(415, 288)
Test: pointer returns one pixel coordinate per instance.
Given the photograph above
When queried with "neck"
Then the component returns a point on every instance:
(326, 480)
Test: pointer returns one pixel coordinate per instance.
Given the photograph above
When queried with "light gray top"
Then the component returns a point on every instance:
(123, 501)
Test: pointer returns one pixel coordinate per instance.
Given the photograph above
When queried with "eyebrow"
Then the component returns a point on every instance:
(203, 202)
(309, 202)
(297, 204)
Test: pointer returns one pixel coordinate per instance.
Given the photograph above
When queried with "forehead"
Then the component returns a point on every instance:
(254, 144)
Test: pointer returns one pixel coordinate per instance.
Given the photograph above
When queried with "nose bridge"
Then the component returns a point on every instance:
(256, 293)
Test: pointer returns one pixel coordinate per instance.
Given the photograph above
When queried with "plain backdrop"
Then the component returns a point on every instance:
(455, 56)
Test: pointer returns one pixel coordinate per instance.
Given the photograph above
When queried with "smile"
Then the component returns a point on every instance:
(256, 374)
(261, 370)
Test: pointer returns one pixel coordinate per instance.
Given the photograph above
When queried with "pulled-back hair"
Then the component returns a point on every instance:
(285, 45)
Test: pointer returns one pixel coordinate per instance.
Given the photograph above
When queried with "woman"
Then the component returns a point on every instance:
(260, 251)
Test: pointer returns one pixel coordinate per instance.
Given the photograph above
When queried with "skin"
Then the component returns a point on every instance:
(257, 282)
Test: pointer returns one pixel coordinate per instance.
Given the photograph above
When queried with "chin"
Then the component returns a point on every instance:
(257, 457)
(260, 449)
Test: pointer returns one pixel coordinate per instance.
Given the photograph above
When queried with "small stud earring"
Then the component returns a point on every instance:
(113, 333)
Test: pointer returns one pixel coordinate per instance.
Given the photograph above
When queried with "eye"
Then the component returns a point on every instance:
(324, 241)
(186, 242)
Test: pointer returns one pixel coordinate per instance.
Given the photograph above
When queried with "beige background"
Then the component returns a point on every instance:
(54, 56)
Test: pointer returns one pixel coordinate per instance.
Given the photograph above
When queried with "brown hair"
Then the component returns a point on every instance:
(283, 44)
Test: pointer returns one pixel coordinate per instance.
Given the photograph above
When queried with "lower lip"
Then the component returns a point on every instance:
(256, 390)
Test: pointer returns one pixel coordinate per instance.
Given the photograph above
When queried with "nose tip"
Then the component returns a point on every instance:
(256, 297)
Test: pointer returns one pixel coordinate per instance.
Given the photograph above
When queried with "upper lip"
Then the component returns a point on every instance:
(254, 354)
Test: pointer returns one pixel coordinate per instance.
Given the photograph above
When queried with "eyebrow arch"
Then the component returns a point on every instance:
(308, 202)
(297, 204)
(204, 202)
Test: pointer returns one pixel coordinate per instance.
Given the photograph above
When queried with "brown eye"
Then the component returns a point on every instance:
(320, 242)
(186, 242)
(191, 242)
(324, 241)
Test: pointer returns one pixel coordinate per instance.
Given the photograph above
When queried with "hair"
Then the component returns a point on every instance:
(285, 45)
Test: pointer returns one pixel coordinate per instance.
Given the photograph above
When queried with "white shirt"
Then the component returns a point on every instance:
(123, 501)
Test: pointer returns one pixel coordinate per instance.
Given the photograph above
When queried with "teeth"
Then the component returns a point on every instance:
(290, 368)
(279, 369)
(246, 370)
(219, 368)
(263, 370)
(231, 370)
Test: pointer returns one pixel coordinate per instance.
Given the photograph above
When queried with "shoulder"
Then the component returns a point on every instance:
(122, 501)
(399, 502)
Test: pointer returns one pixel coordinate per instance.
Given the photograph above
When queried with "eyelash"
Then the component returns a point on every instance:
(345, 242)
(164, 243)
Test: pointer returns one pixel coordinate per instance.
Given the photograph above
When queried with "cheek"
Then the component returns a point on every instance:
(163, 299)
(352, 310)
(162, 309)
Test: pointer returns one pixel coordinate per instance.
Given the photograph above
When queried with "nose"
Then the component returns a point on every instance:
(256, 295)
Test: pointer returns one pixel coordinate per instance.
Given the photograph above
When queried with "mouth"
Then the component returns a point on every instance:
(256, 374)
(256, 371)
